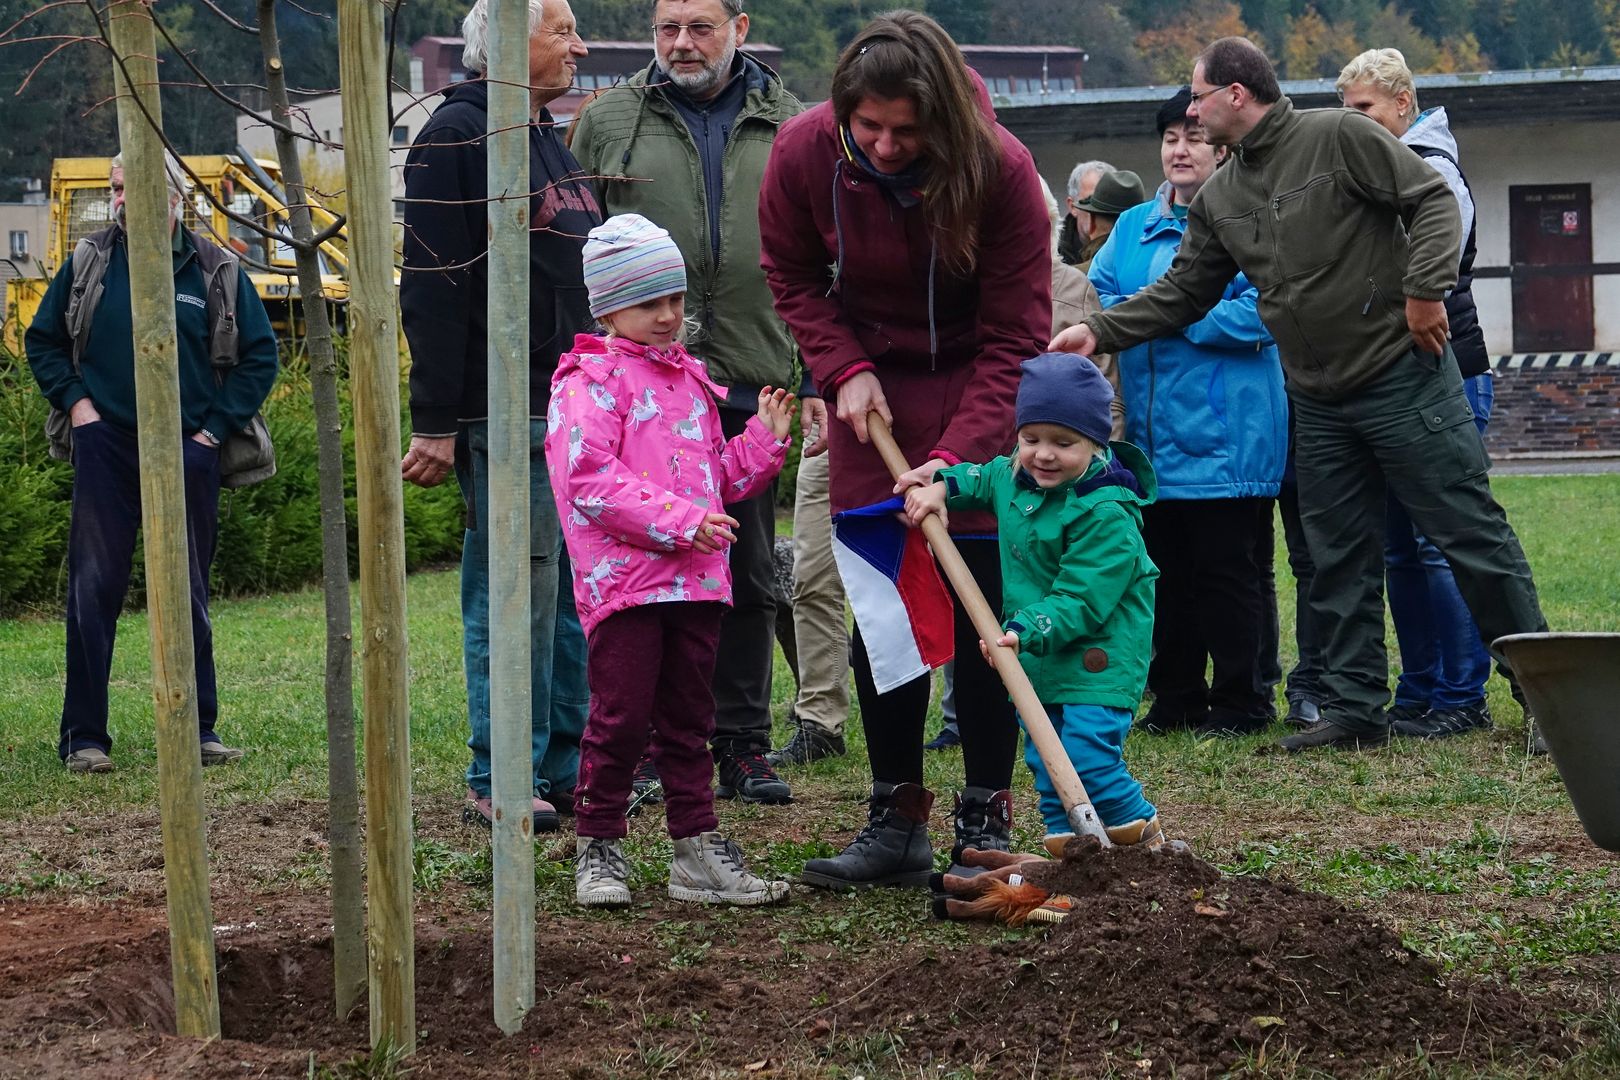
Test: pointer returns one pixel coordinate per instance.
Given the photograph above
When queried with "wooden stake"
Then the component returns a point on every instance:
(1076, 803)
(342, 781)
(510, 697)
(163, 517)
(374, 375)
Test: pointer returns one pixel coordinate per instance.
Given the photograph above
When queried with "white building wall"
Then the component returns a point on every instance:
(1494, 158)
(1499, 158)
(324, 117)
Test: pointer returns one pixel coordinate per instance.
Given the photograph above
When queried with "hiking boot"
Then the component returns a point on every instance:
(1325, 734)
(645, 787)
(1443, 723)
(92, 759)
(1302, 713)
(709, 869)
(479, 810)
(749, 777)
(601, 876)
(1230, 724)
(893, 849)
(810, 743)
(1143, 832)
(215, 752)
(949, 736)
(983, 821)
(1163, 719)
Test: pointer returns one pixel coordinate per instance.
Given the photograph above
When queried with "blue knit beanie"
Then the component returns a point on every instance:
(1066, 389)
(629, 260)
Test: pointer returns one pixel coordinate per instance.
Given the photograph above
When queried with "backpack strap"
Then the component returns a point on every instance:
(90, 258)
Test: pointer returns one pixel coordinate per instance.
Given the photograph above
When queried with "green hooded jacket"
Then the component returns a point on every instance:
(643, 160)
(1076, 580)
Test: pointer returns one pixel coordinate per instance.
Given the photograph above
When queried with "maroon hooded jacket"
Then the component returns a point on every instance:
(857, 280)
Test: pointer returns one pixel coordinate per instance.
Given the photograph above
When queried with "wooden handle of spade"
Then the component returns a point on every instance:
(1076, 803)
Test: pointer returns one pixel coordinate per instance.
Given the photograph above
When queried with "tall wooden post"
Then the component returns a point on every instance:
(342, 780)
(163, 518)
(510, 697)
(374, 375)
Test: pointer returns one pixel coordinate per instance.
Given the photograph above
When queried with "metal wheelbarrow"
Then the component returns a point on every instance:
(1572, 683)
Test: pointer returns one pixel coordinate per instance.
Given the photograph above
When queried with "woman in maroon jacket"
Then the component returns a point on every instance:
(904, 236)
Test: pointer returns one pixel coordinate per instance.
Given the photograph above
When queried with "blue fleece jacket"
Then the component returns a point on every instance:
(1206, 403)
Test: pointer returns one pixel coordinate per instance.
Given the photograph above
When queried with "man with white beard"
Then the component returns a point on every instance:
(683, 143)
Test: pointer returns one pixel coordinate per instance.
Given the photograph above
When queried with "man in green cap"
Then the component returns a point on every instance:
(1096, 213)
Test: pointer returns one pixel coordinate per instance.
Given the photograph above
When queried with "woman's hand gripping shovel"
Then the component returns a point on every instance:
(1076, 803)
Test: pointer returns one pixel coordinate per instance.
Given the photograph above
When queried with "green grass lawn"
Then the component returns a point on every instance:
(1468, 847)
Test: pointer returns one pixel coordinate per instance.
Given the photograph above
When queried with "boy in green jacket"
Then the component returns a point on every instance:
(1076, 578)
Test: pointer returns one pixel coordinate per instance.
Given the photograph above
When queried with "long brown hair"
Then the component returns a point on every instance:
(905, 54)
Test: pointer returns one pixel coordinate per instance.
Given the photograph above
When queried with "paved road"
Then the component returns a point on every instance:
(1556, 466)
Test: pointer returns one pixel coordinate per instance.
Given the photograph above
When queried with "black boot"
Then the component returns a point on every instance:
(983, 821)
(893, 849)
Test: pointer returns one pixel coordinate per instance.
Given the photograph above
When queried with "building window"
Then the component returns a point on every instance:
(19, 243)
(402, 134)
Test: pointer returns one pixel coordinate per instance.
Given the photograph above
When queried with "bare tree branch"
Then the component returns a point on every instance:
(319, 238)
(217, 10)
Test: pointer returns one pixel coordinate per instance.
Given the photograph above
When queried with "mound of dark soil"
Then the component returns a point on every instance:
(1164, 964)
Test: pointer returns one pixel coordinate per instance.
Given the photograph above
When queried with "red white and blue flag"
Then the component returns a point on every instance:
(894, 587)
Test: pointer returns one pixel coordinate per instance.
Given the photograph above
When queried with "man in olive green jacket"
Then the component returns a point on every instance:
(1353, 246)
(684, 143)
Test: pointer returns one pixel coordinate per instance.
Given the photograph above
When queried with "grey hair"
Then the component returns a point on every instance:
(1085, 169)
(475, 33)
(733, 8)
(174, 177)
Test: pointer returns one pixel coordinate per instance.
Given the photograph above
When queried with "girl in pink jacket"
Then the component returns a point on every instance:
(641, 474)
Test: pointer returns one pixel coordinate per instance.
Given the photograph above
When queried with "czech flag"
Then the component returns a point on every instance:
(894, 587)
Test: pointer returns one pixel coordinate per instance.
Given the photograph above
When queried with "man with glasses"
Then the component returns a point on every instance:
(443, 297)
(683, 143)
(1352, 240)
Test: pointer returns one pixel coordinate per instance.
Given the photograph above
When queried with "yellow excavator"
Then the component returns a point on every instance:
(81, 204)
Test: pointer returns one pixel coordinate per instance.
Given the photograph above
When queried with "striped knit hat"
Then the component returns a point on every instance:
(629, 260)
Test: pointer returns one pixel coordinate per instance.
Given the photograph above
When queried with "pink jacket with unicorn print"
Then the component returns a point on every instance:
(637, 460)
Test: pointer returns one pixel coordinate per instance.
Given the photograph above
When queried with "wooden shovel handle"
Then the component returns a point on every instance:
(1076, 803)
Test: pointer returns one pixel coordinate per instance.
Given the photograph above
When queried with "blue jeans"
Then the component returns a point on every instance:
(1094, 738)
(1444, 664)
(100, 556)
(557, 643)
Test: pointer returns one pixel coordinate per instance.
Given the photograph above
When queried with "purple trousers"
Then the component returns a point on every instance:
(651, 669)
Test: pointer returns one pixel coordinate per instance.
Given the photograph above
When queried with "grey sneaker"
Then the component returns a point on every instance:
(709, 869)
(809, 743)
(601, 876)
(215, 752)
(92, 759)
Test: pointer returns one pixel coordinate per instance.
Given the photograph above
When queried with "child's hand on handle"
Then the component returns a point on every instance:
(1009, 640)
(921, 476)
(715, 533)
(776, 412)
(922, 501)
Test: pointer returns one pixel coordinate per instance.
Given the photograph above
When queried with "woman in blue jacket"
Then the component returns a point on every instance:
(1207, 406)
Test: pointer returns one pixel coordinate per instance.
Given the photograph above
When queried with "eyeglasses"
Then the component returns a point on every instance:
(1201, 95)
(700, 31)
